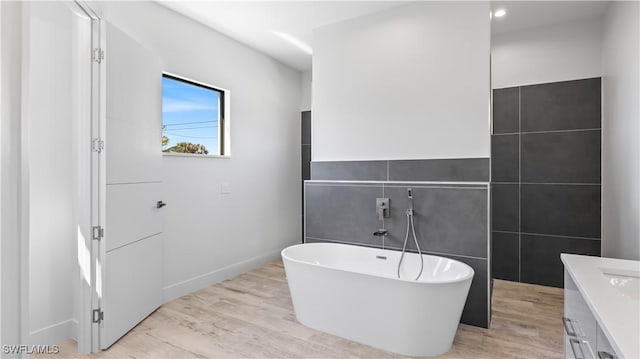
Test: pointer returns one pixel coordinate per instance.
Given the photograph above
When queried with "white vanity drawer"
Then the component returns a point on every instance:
(579, 323)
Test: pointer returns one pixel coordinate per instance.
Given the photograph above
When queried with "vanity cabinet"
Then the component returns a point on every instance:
(583, 337)
(604, 348)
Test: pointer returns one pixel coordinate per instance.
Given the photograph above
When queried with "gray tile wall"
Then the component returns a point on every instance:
(305, 150)
(438, 170)
(451, 220)
(546, 176)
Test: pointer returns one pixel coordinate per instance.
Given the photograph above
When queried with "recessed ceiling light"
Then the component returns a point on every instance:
(500, 13)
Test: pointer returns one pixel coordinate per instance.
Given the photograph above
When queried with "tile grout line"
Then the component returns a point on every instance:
(322, 183)
(383, 224)
(387, 170)
(548, 235)
(548, 131)
(550, 183)
(519, 184)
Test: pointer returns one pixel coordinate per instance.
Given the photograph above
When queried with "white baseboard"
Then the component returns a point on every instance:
(191, 285)
(55, 333)
(68, 329)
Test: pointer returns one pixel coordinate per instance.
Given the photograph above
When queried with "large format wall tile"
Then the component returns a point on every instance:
(447, 220)
(434, 170)
(567, 210)
(564, 105)
(505, 207)
(476, 309)
(506, 110)
(462, 169)
(349, 170)
(306, 128)
(505, 256)
(567, 157)
(306, 162)
(546, 183)
(375, 244)
(505, 158)
(541, 262)
(342, 212)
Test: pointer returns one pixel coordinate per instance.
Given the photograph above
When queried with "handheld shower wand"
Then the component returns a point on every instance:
(409, 213)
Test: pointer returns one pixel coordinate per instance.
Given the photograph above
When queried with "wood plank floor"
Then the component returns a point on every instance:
(251, 316)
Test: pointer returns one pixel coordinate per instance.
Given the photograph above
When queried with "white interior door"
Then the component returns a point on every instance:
(132, 251)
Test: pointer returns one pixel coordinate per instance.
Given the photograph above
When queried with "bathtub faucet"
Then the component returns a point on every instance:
(380, 232)
(410, 198)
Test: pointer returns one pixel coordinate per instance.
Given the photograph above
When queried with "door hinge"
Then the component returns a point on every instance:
(97, 145)
(98, 55)
(97, 316)
(97, 232)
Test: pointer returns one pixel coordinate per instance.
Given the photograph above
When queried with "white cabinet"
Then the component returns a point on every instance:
(583, 337)
(601, 310)
(604, 348)
(579, 323)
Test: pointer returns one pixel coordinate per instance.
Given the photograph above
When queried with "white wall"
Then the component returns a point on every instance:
(48, 115)
(621, 131)
(210, 236)
(305, 91)
(10, 290)
(548, 54)
(407, 83)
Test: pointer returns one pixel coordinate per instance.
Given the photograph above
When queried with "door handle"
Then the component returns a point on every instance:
(575, 343)
(160, 204)
(568, 323)
(606, 355)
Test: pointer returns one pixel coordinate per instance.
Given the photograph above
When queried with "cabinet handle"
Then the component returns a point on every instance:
(567, 323)
(580, 344)
(606, 355)
(573, 341)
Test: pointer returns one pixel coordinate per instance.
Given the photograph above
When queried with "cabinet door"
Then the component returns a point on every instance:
(604, 349)
(579, 323)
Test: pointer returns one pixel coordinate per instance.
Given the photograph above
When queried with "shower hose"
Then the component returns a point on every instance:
(415, 239)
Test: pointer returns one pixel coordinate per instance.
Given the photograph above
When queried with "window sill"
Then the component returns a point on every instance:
(194, 155)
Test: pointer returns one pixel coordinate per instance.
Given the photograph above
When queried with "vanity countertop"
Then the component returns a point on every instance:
(611, 289)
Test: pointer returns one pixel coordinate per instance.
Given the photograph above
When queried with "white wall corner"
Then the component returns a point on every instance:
(55, 333)
(11, 67)
(621, 131)
(196, 283)
(305, 90)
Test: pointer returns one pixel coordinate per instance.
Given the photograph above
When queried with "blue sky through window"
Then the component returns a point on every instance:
(190, 113)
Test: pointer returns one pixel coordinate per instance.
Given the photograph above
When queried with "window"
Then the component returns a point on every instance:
(193, 117)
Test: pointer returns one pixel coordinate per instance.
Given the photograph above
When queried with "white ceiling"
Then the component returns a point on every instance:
(528, 14)
(257, 23)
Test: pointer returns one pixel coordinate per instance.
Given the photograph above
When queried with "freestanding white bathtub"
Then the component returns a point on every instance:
(353, 292)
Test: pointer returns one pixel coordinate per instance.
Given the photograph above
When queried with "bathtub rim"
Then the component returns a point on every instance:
(468, 277)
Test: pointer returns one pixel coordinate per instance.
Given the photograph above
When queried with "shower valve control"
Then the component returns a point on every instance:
(382, 208)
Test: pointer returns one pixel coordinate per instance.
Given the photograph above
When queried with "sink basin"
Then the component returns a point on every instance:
(626, 281)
